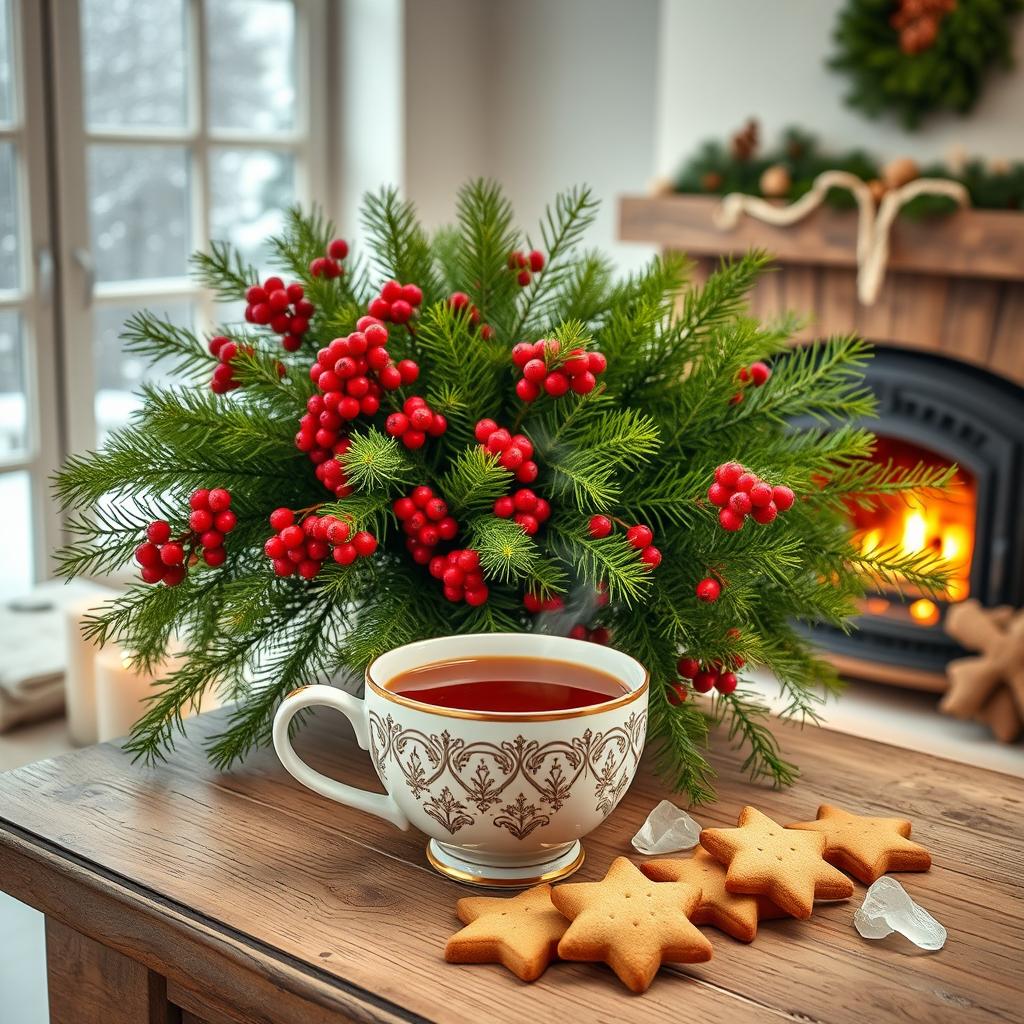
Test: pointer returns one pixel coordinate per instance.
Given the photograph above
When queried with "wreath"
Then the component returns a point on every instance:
(915, 57)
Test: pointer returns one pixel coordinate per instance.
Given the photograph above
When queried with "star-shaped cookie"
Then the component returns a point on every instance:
(631, 923)
(521, 933)
(733, 913)
(867, 847)
(786, 865)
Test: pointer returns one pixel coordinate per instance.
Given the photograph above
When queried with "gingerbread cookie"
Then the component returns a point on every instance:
(786, 865)
(521, 933)
(867, 847)
(631, 923)
(733, 913)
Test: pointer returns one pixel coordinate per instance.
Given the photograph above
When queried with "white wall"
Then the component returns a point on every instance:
(721, 63)
(539, 94)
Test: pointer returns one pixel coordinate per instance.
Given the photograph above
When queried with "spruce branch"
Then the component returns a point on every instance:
(748, 728)
(375, 461)
(223, 271)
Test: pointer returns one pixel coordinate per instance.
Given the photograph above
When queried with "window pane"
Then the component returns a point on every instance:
(6, 63)
(120, 374)
(139, 211)
(134, 63)
(249, 190)
(13, 409)
(251, 45)
(9, 276)
(16, 524)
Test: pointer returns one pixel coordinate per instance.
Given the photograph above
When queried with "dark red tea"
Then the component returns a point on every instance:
(507, 684)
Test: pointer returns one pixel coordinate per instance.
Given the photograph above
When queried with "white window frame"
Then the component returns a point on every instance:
(80, 294)
(33, 299)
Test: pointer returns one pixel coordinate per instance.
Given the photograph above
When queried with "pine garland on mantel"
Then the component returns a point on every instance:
(638, 534)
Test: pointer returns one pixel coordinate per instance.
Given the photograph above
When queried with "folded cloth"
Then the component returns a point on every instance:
(32, 656)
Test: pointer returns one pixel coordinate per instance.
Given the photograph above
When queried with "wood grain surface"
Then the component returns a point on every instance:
(260, 901)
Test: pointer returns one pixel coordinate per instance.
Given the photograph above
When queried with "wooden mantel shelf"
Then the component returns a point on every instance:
(969, 243)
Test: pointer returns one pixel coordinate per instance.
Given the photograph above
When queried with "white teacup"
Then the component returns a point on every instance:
(504, 796)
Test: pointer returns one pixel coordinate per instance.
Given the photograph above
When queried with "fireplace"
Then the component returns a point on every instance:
(948, 326)
(939, 411)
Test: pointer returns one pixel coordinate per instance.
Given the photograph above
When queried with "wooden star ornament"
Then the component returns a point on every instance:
(866, 847)
(631, 923)
(786, 865)
(733, 913)
(520, 932)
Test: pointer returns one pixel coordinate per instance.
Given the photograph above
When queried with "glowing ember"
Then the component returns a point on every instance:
(924, 611)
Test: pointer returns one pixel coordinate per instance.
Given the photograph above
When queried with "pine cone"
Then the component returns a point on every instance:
(744, 143)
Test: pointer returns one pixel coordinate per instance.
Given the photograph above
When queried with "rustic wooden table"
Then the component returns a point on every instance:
(179, 894)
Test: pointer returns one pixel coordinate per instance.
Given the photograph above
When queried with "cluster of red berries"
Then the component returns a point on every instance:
(458, 301)
(211, 519)
(541, 369)
(396, 303)
(329, 265)
(534, 603)
(286, 310)
(597, 635)
(303, 548)
(526, 264)
(514, 451)
(224, 349)
(460, 573)
(639, 537)
(415, 422)
(756, 374)
(738, 493)
(707, 677)
(525, 507)
(426, 522)
(709, 590)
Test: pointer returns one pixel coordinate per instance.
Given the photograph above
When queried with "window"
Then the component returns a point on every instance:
(169, 123)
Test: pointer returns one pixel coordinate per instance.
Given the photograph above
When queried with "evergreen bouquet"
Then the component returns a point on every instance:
(467, 433)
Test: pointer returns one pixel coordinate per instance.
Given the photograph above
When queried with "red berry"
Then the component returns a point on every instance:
(200, 520)
(531, 602)
(255, 294)
(391, 378)
(337, 249)
(688, 667)
(728, 473)
(484, 429)
(396, 424)
(159, 531)
(783, 497)
(345, 554)
(308, 568)
(578, 632)
(512, 457)
(200, 499)
(524, 500)
(401, 311)
(760, 494)
(584, 383)
(292, 536)
(429, 536)
(523, 277)
(759, 373)
(745, 481)
(147, 555)
(527, 522)
(468, 560)
(527, 390)
(437, 426)
(212, 539)
(365, 543)
(477, 596)
(522, 353)
(709, 590)
(173, 575)
(600, 526)
(677, 693)
(651, 556)
(413, 439)
(730, 520)
(504, 507)
(542, 511)
(601, 635)
(556, 383)
(220, 499)
(535, 370)
(718, 494)
(283, 566)
(704, 681)
(412, 294)
(380, 309)
(338, 531)
(153, 573)
(527, 472)
(436, 509)
(639, 536)
(740, 503)
(281, 517)
(727, 681)
(498, 441)
(408, 370)
(214, 556)
(391, 291)
(447, 528)
(421, 418)
(458, 300)
(766, 514)
(172, 553)
(421, 495)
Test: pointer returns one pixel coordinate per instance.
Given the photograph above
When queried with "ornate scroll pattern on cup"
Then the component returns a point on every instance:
(447, 775)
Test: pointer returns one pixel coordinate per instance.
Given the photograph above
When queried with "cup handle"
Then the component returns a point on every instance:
(353, 709)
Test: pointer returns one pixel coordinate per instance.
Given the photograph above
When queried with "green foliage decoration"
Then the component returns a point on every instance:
(642, 448)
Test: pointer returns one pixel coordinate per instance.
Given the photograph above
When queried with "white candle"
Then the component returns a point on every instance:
(79, 672)
(121, 693)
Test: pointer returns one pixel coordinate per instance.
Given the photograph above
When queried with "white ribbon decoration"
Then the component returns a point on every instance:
(872, 230)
